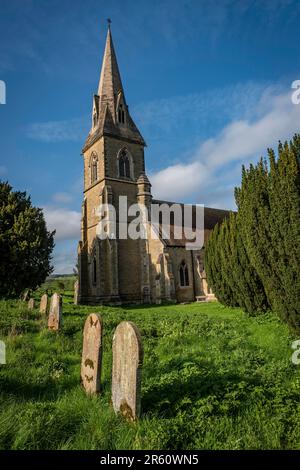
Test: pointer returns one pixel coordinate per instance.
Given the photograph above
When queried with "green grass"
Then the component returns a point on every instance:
(212, 379)
(57, 284)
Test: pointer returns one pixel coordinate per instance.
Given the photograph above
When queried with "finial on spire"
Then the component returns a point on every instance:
(108, 22)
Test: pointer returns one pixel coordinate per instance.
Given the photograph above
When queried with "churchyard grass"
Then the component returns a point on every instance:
(213, 378)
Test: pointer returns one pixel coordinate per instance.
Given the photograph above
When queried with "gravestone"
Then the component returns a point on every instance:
(25, 295)
(127, 370)
(44, 304)
(76, 291)
(92, 354)
(30, 304)
(55, 312)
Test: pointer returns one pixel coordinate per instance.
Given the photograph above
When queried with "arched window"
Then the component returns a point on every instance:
(94, 168)
(184, 274)
(94, 271)
(121, 114)
(124, 165)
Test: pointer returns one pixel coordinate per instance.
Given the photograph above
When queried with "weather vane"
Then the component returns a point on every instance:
(109, 22)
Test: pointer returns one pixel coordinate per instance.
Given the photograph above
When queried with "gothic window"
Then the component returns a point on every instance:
(184, 274)
(94, 271)
(94, 168)
(124, 165)
(121, 114)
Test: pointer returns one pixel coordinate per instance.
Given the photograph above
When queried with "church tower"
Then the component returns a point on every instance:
(113, 156)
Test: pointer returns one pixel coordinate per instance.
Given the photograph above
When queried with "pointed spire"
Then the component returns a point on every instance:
(110, 84)
(110, 111)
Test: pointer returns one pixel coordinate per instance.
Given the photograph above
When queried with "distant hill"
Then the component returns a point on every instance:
(55, 276)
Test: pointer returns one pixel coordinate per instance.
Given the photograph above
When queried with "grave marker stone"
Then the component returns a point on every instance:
(55, 312)
(127, 370)
(92, 354)
(44, 304)
(76, 292)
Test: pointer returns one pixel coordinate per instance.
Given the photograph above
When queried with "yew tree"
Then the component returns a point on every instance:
(25, 243)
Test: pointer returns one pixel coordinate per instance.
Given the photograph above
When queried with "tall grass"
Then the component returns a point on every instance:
(212, 379)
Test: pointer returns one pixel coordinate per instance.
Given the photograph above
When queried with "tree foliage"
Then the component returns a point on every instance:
(262, 250)
(217, 265)
(229, 272)
(25, 243)
(269, 207)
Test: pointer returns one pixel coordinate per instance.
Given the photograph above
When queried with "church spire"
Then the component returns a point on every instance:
(110, 111)
(110, 84)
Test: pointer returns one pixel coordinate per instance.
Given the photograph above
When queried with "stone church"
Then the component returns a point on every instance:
(115, 270)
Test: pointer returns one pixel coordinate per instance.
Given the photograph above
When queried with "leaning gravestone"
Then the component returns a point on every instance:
(44, 304)
(30, 304)
(127, 370)
(25, 295)
(55, 312)
(92, 354)
(76, 290)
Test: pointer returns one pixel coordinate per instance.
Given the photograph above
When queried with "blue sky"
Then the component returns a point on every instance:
(207, 82)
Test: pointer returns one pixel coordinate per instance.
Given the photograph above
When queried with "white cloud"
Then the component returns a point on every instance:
(65, 222)
(241, 141)
(65, 258)
(178, 179)
(167, 115)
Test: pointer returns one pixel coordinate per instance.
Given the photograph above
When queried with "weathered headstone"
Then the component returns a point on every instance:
(127, 370)
(76, 291)
(30, 304)
(92, 354)
(55, 312)
(44, 304)
(25, 295)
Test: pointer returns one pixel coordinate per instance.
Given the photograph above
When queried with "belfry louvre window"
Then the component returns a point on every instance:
(95, 119)
(124, 165)
(121, 114)
(184, 275)
(94, 271)
(94, 169)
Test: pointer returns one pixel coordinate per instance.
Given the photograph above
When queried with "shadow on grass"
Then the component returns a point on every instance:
(181, 391)
(46, 390)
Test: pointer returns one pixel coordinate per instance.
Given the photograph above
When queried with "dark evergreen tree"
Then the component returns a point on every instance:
(217, 265)
(231, 271)
(246, 285)
(25, 243)
(269, 212)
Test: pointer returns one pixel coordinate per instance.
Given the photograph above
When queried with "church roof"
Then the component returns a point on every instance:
(109, 96)
(212, 216)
